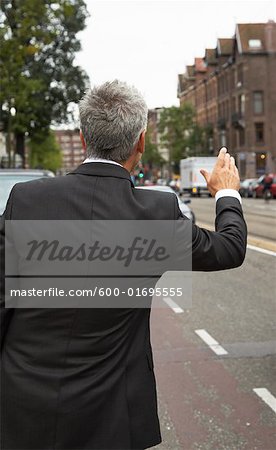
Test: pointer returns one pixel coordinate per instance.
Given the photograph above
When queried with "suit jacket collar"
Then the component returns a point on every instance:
(103, 170)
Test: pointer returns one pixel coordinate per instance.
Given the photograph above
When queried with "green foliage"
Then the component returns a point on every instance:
(151, 155)
(45, 153)
(180, 133)
(38, 75)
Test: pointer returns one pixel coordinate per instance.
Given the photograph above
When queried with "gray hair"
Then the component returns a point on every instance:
(112, 117)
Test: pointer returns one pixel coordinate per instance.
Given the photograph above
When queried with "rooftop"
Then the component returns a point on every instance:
(210, 56)
(200, 65)
(225, 46)
(252, 37)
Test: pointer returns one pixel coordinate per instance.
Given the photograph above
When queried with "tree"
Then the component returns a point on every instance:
(180, 133)
(39, 77)
(46, 153)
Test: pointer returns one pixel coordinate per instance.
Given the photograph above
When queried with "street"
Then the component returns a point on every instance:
(260, 215)
(109, 109)
(215, 363)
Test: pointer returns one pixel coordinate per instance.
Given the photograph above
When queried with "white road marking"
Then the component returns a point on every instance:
(267, 397)
(261, 250)
(173, 305)
(211, 342)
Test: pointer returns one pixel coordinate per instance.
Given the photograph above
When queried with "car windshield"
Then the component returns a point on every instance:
(6, 184)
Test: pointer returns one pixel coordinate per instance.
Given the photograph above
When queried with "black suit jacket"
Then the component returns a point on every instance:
(83, 378)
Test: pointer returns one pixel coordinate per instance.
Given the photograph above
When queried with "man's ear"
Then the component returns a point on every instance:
(141, 142)
(82, 141)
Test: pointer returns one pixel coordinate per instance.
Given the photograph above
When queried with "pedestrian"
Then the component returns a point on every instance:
(84, 378)
(267, 182)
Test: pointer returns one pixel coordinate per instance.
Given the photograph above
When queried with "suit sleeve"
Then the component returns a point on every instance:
(5, 313)
(224, 248)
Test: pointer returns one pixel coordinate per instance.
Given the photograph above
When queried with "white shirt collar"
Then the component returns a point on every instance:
(101, 160)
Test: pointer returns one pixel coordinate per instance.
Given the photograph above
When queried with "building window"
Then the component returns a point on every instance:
(259, 132)
(226, 82)
(258, 102)
(233, 79)
(224, 110)
(227, 109)
(223, 84)
(242, 105)
(234, 138)
(241, 137)
(260, 163)
(222, 138)
(65, 138)
(219, 85)
(240, 75)
(255, 43)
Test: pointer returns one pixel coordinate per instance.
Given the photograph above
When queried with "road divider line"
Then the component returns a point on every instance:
(267, 397)
(174, 306)
(261, 250)
(211, 342)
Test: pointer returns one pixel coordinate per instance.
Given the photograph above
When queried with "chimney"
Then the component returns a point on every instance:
(270, 36)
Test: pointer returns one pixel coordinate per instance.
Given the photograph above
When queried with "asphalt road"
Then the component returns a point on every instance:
(206, 391)
(259, 214)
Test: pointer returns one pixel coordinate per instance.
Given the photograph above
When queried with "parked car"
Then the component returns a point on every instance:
(183, 204)
(161, 181)
(9, 177)
(247, 187)
(258, 189)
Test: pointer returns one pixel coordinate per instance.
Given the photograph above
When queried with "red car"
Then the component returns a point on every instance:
(258, 189)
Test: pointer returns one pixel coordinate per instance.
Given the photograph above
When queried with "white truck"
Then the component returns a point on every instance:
(191, 179)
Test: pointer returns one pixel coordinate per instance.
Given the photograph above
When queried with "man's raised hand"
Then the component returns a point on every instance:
(225, 174)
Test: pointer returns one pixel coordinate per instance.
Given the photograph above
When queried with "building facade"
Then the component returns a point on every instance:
(72, 152)
(153, 121)
(233, 89)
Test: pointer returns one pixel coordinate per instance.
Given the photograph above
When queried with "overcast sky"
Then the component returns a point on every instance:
(147, 43)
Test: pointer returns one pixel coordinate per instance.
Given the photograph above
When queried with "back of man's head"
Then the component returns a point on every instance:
(112, 118)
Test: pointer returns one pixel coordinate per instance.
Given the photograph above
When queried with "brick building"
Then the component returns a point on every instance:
(72, 152)
(233, 89)
(153, 121)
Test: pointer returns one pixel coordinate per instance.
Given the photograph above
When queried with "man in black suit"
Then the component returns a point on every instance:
(83, 378)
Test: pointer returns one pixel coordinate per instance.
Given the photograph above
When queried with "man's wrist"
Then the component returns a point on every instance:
(228, 193)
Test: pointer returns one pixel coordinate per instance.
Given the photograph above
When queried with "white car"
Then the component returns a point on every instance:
(184, 208)
(9, 177)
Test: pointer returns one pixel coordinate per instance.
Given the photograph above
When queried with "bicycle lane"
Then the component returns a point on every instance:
(204, 401)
